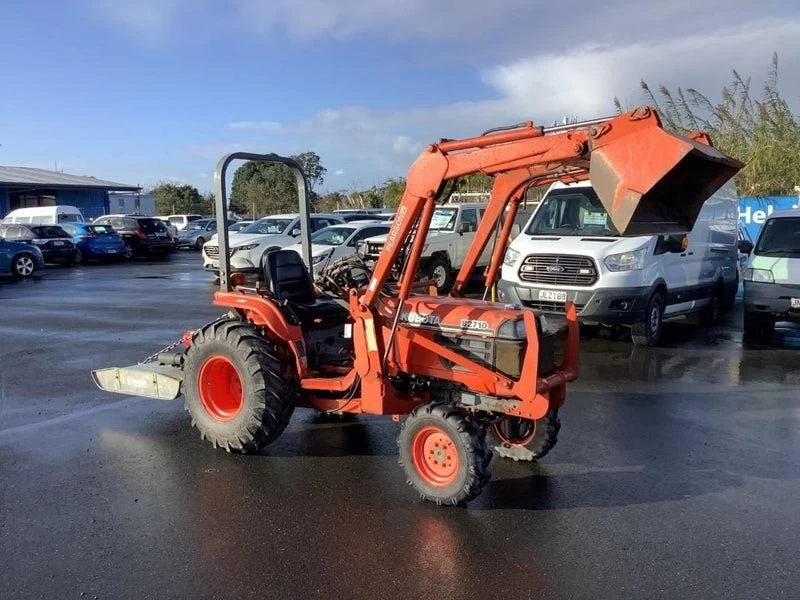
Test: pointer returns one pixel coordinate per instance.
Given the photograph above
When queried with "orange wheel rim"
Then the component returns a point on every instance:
(519, 432)
(435, 456)
(220, 388)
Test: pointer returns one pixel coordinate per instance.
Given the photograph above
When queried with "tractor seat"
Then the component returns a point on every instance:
(286, 277)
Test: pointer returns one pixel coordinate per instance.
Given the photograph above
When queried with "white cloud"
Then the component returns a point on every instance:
(544, 88)
(150, 19)
(266, 126)
(339, 172)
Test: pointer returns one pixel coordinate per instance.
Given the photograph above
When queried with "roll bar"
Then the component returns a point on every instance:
(221, 207)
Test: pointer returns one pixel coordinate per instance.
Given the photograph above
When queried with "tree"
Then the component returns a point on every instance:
(180, 199)
(764, 134)
(260, 188)
(393, 191)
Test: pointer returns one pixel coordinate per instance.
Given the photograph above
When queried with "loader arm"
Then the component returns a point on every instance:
(638, 171)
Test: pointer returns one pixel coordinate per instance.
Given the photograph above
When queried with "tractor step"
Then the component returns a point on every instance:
(150, 380)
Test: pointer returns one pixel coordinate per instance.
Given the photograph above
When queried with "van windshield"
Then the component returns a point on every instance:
(575, 211)
(780, 237)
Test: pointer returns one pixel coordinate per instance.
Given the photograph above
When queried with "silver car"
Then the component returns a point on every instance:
(197, 233)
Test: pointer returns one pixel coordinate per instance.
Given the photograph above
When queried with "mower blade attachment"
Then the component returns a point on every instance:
(149, 380)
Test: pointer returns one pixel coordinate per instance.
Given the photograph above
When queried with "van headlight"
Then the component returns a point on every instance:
(758, 275)
(626, 261)
(510, 257)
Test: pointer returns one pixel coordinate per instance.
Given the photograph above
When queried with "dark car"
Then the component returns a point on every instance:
(55, 243)
(197, 233)
(144, 236)
(98, 242)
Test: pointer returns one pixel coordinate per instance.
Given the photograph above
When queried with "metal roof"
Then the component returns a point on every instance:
(27, 176)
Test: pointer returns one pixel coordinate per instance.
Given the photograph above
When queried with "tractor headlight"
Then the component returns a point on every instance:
(511, 257)
(758, 275)
(627, 261)
(513, 329)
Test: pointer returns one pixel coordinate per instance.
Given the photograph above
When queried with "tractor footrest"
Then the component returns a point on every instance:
(149, 380)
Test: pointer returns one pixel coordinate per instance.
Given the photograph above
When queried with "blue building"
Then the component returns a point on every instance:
(24, 187)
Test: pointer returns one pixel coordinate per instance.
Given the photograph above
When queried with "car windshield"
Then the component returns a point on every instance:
(576, 211)
(195, 226)
(332, 236)
(100, 229)
(444, 219)
(43, 232)
(780, 237)
(270, 226)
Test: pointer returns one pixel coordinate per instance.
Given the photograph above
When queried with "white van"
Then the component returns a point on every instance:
(570, 250)
(772, 276)
(45, 215)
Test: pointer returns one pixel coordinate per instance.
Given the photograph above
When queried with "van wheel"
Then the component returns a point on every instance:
(709, 315)
(648, 331)
(729, 299)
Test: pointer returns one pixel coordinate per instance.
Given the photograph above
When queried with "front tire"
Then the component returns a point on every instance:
(444, 454)
(758, 327)
(648, 331)
(240, 388)
(440, 273)
(198, 245)
(23, 266)
(526, 439)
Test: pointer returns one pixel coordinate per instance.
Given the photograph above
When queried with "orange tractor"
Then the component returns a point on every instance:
(458, 367)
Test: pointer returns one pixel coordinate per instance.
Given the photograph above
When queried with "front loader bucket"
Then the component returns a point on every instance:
(652, 182)
(148, 380)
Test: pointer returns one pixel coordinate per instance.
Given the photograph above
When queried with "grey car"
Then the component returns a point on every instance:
(197, 233)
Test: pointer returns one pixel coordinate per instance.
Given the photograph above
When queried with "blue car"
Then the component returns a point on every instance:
(99, 242)
(20, 260)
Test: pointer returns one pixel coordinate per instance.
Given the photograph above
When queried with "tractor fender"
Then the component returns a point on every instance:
(266, 313)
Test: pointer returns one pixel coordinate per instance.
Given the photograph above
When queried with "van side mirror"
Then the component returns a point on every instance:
(745, 246)
(460, 230)
(295, 232)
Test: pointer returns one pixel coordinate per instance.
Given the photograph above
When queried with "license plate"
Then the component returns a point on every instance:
(554, 296)
(111, 251)
(58, 243)
(795, 302)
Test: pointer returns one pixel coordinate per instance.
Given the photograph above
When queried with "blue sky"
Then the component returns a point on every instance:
(156, 90)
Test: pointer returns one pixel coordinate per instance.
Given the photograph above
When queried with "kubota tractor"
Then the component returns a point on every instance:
(458, 367)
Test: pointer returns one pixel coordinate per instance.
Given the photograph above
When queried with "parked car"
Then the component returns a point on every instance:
(570, 250)
(173, 231)
(144, 236)
(180, 221)
(772, 276)
(333, 243)
(43, 215)
(95, 241)
(239, 225)
(54, 243)
(249, 245)
(197, 233)
(19, 259)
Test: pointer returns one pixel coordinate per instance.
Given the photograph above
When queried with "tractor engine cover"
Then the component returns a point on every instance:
(490, 334)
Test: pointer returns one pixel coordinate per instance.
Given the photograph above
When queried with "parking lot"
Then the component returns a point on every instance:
(677, 472)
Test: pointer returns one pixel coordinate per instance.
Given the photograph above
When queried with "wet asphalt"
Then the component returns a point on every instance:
(676, 475)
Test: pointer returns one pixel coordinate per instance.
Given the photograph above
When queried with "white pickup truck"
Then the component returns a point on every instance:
(450, 235)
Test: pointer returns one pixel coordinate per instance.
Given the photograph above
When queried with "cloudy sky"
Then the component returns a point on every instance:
(141, 91)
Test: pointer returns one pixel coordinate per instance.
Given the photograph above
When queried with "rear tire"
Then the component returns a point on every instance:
(23, 266)
(240, 388)
(729, 299)
(444, 454)
(648, 331)
(709, 315)
(535, 438)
